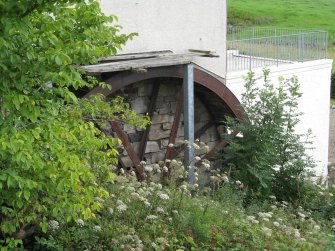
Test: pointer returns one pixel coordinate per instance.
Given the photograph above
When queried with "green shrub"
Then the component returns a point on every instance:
(53, 160)
(269, 158)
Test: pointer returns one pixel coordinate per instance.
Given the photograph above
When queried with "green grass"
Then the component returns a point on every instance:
(300, 14)
(332, 101)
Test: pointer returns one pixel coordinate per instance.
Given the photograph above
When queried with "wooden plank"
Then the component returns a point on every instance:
(167, 59)
(144, 140)
(136, 64)
(132, 56)
(211, 54)
(203, 129)
(130, 150)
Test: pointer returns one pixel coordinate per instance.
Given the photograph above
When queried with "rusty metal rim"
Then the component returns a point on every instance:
(201, 77)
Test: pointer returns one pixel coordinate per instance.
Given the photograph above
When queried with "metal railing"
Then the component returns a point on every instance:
(253, 47)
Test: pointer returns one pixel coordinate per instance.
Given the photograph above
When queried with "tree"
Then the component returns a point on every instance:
(270, 158)
(51, 159)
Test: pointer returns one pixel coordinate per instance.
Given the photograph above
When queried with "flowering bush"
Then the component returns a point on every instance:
(179, 216)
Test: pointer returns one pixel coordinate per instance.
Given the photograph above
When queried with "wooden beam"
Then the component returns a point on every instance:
(197, 135)
(132, 56)
(144, 140)
(130, 150)
(220, 145)
(175, 125)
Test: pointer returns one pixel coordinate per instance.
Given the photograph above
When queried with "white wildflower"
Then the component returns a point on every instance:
(131, 189)
(266, 231)
(333, 227)
(195, 146)
(121, 170)
(206, 165)
(160, 210)
(206, 148)
(272, 197)
(296, 233)
(148, 169)
(165, 169)
(171, 145)
(175, 212)
(119, 202)
(163, 196)
(276, 223)
(225, 178)
(250, 217)
(110, 210)
(197, 158)
(238, 182)
(151, 217)
(331, 195)
(97, 228)
(167, 160)
(183, 187)
(301, 215)
(121, 207)
(53, 225)
(143, 162)
(317, 227)
(80, 222)
(98, 199)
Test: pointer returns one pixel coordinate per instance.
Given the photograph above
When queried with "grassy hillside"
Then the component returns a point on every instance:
(309, 14)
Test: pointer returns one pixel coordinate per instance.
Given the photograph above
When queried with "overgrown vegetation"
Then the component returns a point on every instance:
(60, 188)
(269, 157)
(53, 160)
(149, 216)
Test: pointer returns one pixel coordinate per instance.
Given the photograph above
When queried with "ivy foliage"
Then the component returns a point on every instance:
(271, 157)
(54, 161)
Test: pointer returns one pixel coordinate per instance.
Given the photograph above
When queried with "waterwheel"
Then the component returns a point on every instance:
(158, 93)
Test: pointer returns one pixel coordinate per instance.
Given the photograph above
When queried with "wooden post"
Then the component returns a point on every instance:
(188, 86)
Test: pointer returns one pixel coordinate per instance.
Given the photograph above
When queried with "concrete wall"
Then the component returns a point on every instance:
(314, 79)
(177, 25)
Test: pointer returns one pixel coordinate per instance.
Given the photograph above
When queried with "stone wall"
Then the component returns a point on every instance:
(138, 96)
